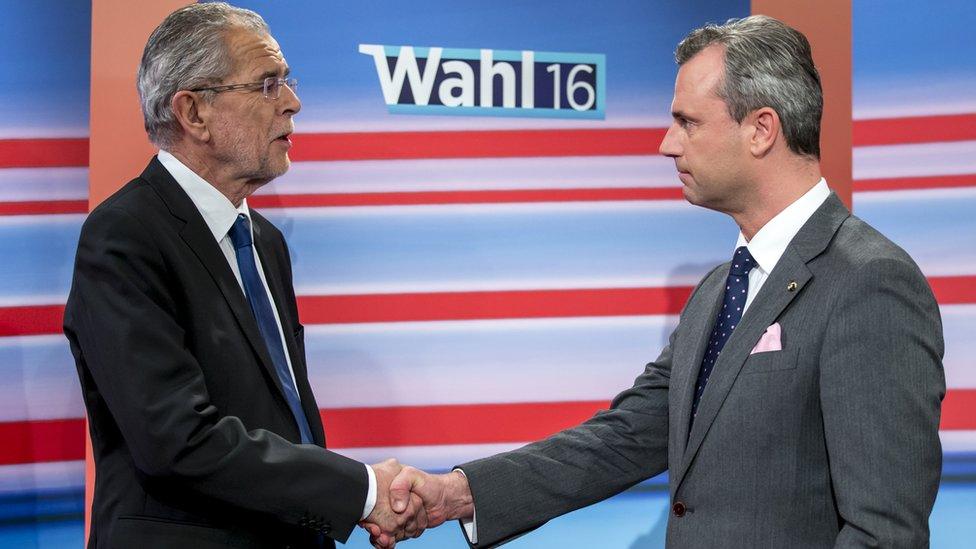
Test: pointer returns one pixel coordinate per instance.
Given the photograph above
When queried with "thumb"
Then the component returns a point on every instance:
(405, 481)
(374, 530)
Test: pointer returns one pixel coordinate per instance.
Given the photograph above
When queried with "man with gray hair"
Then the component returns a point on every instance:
(797, 402)
(184, 326)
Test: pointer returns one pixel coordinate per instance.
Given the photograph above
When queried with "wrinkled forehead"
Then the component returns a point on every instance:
(254, 53)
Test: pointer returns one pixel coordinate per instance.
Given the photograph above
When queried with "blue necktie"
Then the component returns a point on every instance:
(257, 296)
(736, 290)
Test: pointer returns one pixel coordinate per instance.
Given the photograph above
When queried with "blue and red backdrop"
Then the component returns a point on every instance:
(475, 277)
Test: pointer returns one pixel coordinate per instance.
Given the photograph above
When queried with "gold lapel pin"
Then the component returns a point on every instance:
(791, 287)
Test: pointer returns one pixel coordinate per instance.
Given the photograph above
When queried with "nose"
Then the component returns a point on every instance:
(669, 145)
(289, 101)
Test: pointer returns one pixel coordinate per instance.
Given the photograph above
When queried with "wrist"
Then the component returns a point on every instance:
(460, 503)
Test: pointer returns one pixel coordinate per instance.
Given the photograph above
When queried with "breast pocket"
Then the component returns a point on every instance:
(771, 361)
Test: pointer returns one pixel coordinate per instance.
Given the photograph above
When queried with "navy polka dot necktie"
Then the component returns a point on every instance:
(736, 290)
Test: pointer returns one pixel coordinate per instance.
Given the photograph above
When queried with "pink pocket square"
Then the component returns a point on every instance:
(770, 340)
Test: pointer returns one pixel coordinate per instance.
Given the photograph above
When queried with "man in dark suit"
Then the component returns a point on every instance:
(183, 322)
(797, 403)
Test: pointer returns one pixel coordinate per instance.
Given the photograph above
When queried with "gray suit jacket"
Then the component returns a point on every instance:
(831, 442)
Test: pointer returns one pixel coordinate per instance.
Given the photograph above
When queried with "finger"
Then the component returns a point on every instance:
(389, 466)
(383, 541)
(421, 517)
(411, 528)
(406, 480)
(417, 517)
(373, 529)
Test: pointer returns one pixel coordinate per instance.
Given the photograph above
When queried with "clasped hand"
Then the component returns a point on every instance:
(408, 501)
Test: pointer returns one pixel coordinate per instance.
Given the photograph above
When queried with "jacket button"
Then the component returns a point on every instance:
(679, 509)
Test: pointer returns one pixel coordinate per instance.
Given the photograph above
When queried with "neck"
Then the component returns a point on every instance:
(235, 188)
(773, 195)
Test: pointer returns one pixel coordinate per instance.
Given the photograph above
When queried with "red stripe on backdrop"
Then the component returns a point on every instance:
(921, 129)
(452, 424)
(350, 309)
(593, 194)
(31, 320)
(524, 196)
(347, 309)
(64, 439)
(44, 152)
(464, 197)
(410, 307)
(959, 410)
(72, 152)
(43, 207)
(42, 441)
(476, 144)
(914, 183)
(515, 422)
(954, 290)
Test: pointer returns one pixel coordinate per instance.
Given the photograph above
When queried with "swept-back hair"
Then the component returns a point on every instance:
(767, 64)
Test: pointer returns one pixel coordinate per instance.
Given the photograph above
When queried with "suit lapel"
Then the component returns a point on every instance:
(272, 273)
(201, 241)
(772, 299)
(700, 317)
(775, 296)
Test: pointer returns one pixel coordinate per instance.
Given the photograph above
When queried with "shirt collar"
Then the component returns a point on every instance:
(217, 211)
(769, 244)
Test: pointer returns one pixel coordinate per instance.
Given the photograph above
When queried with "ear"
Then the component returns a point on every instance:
(766, 130)
(192, 113)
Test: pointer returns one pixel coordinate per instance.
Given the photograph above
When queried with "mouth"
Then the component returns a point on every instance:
(284, 138)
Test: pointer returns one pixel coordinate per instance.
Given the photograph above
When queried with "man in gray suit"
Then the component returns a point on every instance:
(797, 403)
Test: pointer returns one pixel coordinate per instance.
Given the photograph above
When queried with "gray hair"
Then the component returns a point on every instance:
(187, 50)
(767, 64)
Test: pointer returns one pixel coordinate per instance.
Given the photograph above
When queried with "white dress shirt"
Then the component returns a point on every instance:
(220, 214)
(766, 247)
(769, 244)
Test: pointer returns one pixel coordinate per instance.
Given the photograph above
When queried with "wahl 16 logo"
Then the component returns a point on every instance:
(419, 80)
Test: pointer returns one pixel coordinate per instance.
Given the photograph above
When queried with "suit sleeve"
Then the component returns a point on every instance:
(122, 315)
(882, 384)
(518, 491)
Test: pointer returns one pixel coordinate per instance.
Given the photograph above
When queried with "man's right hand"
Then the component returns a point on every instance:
(408, 521)
(445, 497)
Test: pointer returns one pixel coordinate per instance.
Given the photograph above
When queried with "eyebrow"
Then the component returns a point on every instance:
(270, 72)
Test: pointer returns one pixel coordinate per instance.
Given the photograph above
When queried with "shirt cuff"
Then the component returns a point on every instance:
(470, 526)
(370, 494)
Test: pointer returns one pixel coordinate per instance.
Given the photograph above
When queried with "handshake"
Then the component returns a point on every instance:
(408, 501)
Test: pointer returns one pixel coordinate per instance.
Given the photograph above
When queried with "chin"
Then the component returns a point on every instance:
(689, 195)
(279, 167)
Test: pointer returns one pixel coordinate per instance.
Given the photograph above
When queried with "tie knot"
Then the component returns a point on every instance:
(240, 232)
(742, 262)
